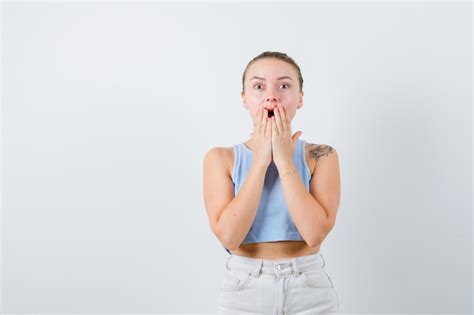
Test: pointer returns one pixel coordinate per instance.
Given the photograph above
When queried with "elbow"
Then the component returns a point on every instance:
(230, 242)
(226, 239)
(315, 242)
(232, 247)
(318, 239)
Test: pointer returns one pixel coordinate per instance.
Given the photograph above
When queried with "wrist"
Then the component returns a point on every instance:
(285, 166)
(288, 173)
(259, 166)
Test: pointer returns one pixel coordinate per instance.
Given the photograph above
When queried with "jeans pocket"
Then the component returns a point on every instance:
(329, 278)
(317, 279)
(235, 280)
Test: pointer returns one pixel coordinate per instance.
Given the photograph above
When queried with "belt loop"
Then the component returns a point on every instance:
(296, 270)
(257, 269)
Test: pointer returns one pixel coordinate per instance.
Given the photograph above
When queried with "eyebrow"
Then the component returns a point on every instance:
(259, 78)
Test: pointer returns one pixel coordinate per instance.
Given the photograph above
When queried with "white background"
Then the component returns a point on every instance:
(109, 108)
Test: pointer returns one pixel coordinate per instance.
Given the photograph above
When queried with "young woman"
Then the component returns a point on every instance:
(272, 200)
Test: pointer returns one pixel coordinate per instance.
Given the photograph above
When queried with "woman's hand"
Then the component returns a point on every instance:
(283, 143)
(262, 139)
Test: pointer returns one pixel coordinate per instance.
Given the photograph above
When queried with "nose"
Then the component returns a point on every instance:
(271, 99)
(272, 95)
(271, 103)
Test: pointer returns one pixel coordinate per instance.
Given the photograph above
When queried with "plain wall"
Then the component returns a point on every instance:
(109, 108)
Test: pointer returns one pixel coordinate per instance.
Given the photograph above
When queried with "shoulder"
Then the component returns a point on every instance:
(318, 150)
(316, 153)
(222, 156)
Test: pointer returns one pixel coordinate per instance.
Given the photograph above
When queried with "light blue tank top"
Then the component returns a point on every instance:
(273, 221)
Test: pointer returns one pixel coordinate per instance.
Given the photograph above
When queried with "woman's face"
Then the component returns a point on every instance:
(269, 82)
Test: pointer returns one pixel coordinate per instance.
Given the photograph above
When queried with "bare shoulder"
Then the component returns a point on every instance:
(315, 152)
(224, 156)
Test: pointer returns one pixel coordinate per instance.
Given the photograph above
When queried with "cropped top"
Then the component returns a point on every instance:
(272, 221)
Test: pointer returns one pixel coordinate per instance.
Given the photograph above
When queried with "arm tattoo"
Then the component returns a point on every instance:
(319, 150)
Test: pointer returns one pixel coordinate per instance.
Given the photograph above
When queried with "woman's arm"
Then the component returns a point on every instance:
(230, 217)
(314, 212)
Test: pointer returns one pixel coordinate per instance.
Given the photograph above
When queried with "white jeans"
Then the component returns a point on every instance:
(297, 286)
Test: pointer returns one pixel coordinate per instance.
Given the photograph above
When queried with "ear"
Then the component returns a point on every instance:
(301, 100)
(244, 99)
